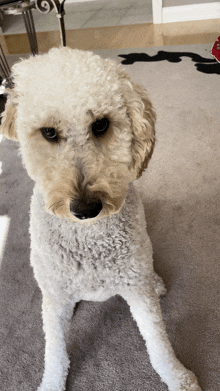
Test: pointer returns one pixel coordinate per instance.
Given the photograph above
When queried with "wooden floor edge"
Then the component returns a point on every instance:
(116, 37)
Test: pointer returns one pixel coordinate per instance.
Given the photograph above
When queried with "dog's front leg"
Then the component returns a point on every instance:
(56, 321)
(145, 308)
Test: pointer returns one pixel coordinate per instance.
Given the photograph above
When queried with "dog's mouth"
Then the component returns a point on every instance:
(87, 201)
(84, 209)
(89, 210)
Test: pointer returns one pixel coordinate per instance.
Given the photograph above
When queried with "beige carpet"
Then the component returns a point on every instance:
(181, 194)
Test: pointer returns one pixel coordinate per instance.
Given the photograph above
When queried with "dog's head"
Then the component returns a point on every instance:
(85, 131)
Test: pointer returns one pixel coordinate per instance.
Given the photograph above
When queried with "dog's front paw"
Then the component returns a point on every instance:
(47, 387)
(188, 382)
(43, 387)
(194, 387)
(51, 386)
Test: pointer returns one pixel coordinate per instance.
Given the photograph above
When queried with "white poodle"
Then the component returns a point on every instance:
(86, 132)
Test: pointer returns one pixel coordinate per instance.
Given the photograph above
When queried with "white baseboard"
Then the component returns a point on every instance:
(185, 13)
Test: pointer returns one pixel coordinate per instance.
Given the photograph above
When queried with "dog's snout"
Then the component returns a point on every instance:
(86, 209)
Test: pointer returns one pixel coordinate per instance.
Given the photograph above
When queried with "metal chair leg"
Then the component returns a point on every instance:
(45, 6)
(4, 68)
(62, 29)
(29, 25)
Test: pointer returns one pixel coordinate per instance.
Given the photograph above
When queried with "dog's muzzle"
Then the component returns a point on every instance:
(86, 209)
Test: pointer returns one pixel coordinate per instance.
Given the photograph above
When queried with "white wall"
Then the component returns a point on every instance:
(168, 11)
(172, 3)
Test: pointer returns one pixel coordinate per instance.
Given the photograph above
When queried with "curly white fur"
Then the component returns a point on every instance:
(110, 253)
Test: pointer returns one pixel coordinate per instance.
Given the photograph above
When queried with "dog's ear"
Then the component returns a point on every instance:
(142, 117)
(8, 117)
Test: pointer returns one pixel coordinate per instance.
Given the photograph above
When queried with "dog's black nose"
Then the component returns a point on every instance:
(85, 209)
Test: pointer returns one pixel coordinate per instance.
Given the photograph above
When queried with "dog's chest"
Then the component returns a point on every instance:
(95, 253)
(76, 255)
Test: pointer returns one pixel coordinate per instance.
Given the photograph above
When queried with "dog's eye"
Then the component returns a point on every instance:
(100, 126)
(49, 134)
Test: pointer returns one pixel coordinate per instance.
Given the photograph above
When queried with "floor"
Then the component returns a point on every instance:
(103, 24)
